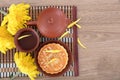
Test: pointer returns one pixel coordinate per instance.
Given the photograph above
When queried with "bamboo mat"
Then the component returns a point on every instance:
(7, 65)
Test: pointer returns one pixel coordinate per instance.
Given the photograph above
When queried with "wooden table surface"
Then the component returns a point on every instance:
(100, 32)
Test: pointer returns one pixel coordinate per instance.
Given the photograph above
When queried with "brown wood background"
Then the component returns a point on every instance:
(100, 21)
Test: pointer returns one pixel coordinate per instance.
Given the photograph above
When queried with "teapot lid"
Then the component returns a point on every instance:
(52, 22)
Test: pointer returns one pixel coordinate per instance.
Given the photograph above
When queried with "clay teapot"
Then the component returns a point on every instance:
(51, 22)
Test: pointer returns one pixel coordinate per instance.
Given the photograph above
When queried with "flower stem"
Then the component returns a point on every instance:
(13, 76)
(3, 12)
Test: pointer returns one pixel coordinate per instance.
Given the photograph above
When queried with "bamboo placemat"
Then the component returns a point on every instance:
(7, 65)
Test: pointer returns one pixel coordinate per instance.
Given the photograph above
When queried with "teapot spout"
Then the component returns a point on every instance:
(32, 23)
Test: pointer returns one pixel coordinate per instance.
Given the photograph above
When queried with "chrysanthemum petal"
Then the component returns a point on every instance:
(73, 23)
(79, 42)
(5, 20)
(25, 64)
(6, 40)
(17, 17)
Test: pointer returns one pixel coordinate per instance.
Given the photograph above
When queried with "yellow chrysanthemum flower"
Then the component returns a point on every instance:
(26, 64)
(6, 40)
(16, 18)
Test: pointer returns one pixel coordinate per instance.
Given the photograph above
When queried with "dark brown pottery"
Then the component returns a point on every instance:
(29, 43)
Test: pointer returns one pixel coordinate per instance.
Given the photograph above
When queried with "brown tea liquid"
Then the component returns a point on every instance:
(29, 42)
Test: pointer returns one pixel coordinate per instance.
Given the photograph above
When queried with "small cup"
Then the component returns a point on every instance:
(26, 40)
(69, 58)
